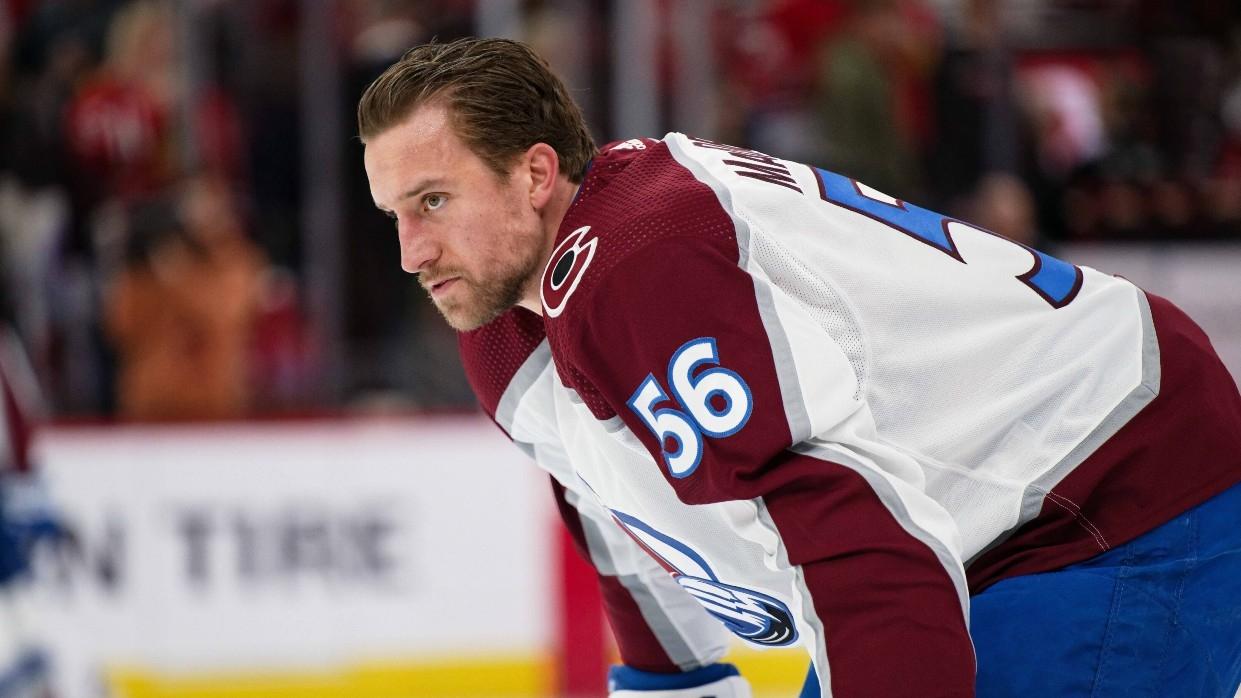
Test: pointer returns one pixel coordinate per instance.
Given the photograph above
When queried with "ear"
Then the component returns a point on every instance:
(544, 167)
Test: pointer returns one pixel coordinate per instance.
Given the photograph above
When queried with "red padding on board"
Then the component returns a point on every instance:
(582, 660)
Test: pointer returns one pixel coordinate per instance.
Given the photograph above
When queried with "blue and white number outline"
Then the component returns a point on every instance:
(695, 381)
(642, 408)
(684, 425)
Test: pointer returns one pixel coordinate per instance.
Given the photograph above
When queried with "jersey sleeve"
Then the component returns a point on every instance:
(703, 360)
(657, 626)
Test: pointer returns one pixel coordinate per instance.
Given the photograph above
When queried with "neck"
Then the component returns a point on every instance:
(551, 216)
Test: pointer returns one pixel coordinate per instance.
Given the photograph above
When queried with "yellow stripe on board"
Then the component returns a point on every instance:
(771, 673)
(492, 677)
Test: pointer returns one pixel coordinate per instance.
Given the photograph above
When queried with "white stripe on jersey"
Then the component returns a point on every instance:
(526, 411)
(991, 394)
(690, 637)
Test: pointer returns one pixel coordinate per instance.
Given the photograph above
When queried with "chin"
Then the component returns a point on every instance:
(466, 319)
(470, 311)
(463, 324)
(459, 320)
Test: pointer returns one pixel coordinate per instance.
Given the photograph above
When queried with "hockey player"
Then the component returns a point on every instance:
(941, 462)
(24, 518)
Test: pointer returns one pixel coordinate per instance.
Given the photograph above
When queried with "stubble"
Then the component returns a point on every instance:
(482, 300)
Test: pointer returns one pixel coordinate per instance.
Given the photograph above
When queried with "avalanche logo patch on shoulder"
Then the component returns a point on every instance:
(565, 269)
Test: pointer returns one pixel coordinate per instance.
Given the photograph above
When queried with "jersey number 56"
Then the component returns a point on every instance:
(713, 403)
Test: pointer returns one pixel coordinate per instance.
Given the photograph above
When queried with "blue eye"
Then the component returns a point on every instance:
(433, 201)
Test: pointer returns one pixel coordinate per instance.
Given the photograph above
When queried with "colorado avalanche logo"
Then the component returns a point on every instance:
(564, 271)
(749, 614)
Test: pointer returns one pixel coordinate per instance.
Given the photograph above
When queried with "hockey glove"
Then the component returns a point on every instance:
(714, 681)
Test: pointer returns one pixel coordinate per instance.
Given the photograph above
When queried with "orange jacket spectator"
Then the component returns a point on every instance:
(180, 315)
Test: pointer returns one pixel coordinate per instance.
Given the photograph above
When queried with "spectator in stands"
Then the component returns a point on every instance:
(871, 76)
(1123, 207)
(1224, 206)
(118, 124)
(181, 310)
(977, 120)
(1003, 204)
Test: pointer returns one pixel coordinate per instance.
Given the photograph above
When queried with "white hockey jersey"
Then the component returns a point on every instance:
(831, 415)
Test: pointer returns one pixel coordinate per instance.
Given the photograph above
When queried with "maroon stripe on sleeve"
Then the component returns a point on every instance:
(492, 354)
(891, 616)
(1180, 450)
(638, 645)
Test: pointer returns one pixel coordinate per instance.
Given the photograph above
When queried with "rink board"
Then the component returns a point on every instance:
(295, 554)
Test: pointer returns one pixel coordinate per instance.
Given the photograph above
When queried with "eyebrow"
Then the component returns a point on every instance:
(422, 186)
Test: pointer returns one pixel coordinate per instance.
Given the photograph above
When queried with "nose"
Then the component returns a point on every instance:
(418, 249)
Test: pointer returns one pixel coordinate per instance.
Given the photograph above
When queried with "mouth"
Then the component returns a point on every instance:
(442, 285)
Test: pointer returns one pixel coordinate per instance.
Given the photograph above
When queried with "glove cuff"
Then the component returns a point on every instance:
(716, 680)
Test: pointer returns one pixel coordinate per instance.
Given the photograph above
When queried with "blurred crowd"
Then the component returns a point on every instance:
(1043, 120)
(153, 209)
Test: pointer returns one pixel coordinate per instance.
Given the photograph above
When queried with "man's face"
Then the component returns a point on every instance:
(475, 241)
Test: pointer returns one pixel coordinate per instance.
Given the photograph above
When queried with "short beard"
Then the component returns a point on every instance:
(489, 301)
